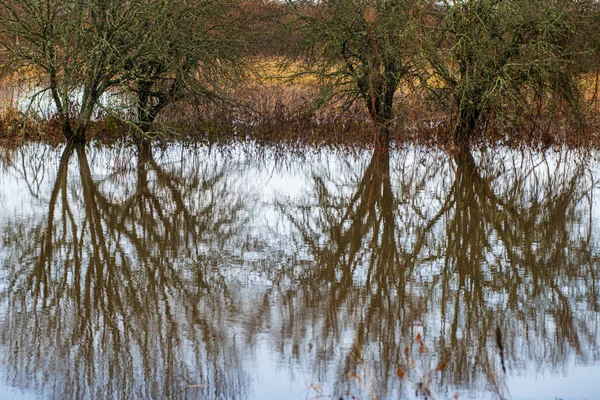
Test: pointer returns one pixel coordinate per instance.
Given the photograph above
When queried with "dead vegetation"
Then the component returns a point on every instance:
(420, 373)
(277, 105)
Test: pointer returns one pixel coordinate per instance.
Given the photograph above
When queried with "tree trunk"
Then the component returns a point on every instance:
(63, 113)
(145, 117)
(468, 117)
(84, 119)
(381, 104)
(79, 136)
(72, 136)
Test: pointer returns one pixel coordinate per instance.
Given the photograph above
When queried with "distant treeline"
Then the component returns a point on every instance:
(476, 60)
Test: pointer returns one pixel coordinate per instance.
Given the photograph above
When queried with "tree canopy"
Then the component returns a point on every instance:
(477, 60)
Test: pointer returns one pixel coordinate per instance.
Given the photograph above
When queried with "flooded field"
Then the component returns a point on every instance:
(246, 273)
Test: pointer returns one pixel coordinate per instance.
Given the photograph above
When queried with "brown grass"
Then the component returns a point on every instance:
(17, 127)
(275, 106)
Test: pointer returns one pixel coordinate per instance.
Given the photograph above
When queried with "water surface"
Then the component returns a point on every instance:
(247, 273)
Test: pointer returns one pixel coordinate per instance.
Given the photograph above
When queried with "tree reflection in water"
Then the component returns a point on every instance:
(451, 250)
(148, 273)
(114, 294)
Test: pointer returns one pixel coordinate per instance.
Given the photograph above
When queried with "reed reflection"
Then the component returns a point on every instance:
(451, 248)
(116, 294)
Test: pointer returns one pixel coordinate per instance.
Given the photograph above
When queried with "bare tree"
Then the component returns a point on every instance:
(161, 51)
(499, 56)
(361, 49)
(197, 47)
(75, 49)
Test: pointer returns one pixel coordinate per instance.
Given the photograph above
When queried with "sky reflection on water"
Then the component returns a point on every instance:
(240, 272)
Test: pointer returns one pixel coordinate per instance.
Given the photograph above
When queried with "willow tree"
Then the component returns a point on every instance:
(362, 49)
(502, 56)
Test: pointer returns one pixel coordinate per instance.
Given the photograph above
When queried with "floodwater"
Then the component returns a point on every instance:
(246, 273)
